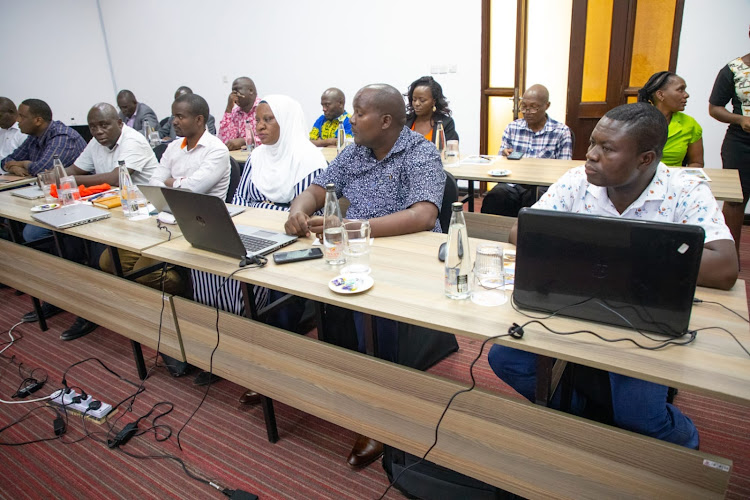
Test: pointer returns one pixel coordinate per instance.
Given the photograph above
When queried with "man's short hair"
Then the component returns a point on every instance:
(644, 123)
(126, 93)
(197, 104)
(39, 108)
(6, 103)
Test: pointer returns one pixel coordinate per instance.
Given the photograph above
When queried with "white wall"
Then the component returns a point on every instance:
(706, 44)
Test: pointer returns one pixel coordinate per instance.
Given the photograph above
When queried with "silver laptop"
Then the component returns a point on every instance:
(205, 223)
(28, 193)
(71, 215)
(156, 198)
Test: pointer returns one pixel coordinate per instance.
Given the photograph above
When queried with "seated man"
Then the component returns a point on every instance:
(167, 129)
(135, 114)
(240, 114)
(623, 177)
(536, 135)
(46, 138)
(200, 161)
(394, 178)
(325, 130)
(11, 136)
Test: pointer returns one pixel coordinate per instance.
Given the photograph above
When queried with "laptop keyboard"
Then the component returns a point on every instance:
(254, 244)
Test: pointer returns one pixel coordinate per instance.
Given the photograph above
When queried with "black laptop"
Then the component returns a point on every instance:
(625, 272)
(206, 224)
(154, 195)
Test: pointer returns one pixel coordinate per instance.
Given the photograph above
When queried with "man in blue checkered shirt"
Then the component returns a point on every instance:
(536, 135)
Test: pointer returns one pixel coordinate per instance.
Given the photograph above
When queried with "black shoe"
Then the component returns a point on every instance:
(175, 367)
(205, 378)
(80, 328)
(48, 310)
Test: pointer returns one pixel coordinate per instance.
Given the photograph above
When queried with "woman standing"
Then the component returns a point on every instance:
(667, 91)
(426, 106)
(733, 84)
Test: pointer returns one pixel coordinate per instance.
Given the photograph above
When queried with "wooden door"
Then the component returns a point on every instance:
(615, 46)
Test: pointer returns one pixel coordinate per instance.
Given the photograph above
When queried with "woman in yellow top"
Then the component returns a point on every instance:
(668, 93)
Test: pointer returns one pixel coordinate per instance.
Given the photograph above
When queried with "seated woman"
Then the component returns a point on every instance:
(667, 92)
(426, 106)
(276, 172)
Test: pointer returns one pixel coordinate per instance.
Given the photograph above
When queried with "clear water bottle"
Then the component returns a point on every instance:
(340, 138)
(457, 256)
(333, 229)
(58, 169)
(249, 135)
(126, 183)
(440, 139)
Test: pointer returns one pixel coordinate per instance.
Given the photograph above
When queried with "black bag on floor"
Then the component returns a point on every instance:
(429, 481)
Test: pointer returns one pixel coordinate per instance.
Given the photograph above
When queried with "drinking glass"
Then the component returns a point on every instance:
(45, 180)
(138, 204)
(357, 247)
(67, 191)
(488, 281)
(451, 153)
(153, 138)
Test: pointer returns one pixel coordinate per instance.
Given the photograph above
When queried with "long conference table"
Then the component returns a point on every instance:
(524, 448)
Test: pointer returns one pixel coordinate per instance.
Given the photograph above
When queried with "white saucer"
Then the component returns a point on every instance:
(348, 284)
(499, 173)
(45, 207)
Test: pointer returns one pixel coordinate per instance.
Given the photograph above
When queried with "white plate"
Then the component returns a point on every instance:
(45, 207)
(351, 283)
(499, 173)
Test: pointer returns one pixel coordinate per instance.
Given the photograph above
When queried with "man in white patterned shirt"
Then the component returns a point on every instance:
(623, 177)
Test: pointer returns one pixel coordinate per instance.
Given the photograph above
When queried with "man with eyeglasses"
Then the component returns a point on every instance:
(240, 114)
(536, 135)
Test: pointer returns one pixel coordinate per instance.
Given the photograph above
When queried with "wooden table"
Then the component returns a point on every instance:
(725, 184)
(409, 288)
(241, 155)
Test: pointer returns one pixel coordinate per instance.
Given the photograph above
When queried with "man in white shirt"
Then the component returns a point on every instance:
(200, 161)
(113, 141)
(10, 135)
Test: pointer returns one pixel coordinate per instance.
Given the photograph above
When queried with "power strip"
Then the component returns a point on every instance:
(63, 399)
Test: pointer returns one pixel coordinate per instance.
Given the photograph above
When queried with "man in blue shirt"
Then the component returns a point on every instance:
(536, 135)
(325, 130)
(46, 139)
(393, 177)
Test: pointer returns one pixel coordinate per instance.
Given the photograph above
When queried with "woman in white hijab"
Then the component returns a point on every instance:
(283, 166)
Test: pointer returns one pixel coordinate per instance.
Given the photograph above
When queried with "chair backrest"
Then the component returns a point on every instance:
(159, 150)
(234, 179)
(450, 195)
(488, 226)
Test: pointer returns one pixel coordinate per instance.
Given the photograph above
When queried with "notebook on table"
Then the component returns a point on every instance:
(625, 272)
(71, 215)
(154, 196)
(206, 224)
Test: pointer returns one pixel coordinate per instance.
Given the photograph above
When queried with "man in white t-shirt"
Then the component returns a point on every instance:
(10, 135)
(200, 161)
(624, 177)
(113, 141)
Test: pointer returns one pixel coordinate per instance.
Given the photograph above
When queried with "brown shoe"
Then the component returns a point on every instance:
(250, 398)
(365, 452)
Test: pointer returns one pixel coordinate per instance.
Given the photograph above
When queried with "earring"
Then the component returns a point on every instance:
(434, 109)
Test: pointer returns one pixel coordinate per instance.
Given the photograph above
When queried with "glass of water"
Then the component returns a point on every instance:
(138, 204)
(357, 247)
(488, 281)
(451, 154)
(68, 191)
(45, 180)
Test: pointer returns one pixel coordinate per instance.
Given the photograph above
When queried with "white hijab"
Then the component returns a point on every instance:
(277, 168)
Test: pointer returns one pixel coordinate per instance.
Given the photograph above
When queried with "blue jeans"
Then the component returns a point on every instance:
(33, 233)
(637, 405)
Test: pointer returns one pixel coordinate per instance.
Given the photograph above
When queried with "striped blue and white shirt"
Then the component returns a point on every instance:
(58, 139)
(553, 141)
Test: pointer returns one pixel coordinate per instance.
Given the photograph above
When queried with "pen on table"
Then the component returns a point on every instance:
(488, 158)
(97, 196)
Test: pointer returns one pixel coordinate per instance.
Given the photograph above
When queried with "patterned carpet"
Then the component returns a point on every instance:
(225, 442)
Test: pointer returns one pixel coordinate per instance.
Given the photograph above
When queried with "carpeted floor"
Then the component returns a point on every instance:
(224, 442)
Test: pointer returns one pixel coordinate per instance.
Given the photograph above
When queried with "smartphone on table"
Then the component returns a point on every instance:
(298, 255)
(515, 155)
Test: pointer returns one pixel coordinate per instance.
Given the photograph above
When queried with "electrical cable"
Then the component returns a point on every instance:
(12, 340)
(699, 301)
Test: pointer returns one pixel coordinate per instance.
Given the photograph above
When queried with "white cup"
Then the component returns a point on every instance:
(357, 247)
(488, 276)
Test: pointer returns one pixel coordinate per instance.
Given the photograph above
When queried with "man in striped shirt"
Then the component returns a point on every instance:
(536, 135)
(47, 138)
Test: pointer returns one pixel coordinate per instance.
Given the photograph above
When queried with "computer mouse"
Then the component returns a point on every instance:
(442, 251)
(166, 218)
